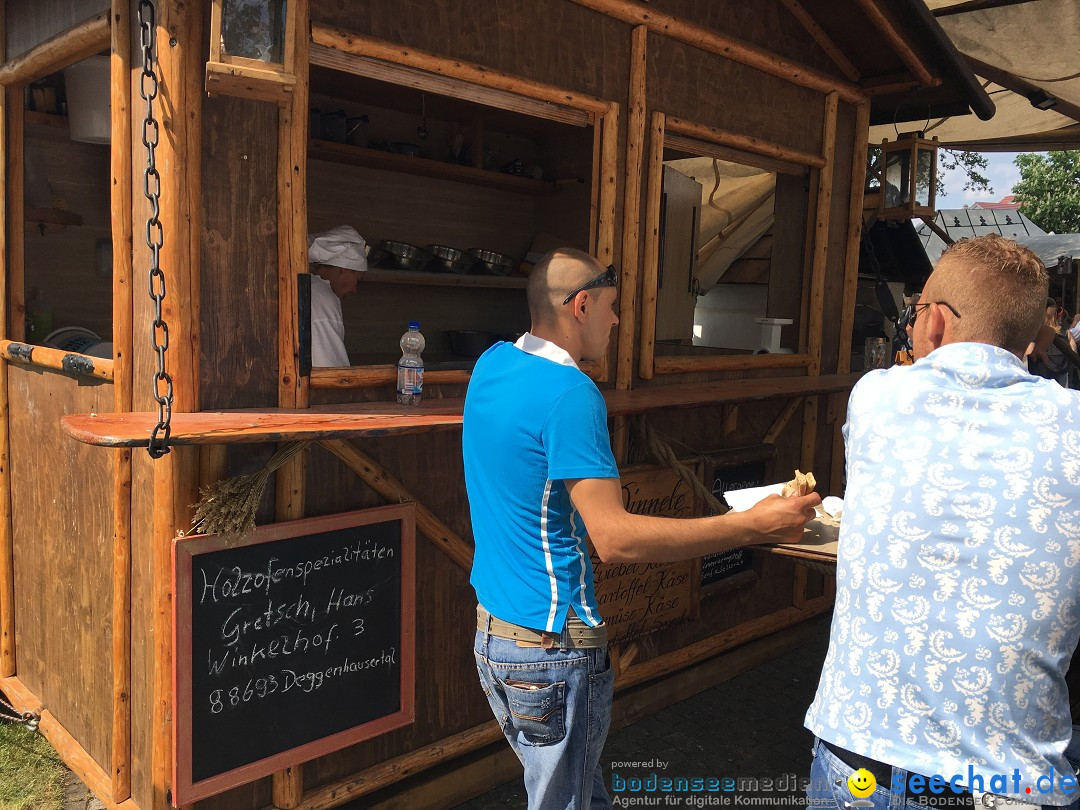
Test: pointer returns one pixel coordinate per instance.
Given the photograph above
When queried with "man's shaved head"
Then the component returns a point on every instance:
(554, 276)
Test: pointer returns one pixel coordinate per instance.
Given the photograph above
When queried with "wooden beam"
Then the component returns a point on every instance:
(823, 40)
(82, 365)
(1018, 85)
(743, 142)
(896, 41)
(679, 364)
(856, 192)
(360, 45)
(856, 189)
(375, 376)
(380, 480)
(289, 480)
(121, 233)
(631, 229)
(605, 226)
(16, 213)
(7, 549)
(650, 270)
(928, 221)
(778, 425)
(706, 39)
(816, 303)
(180, 40)
(821, 236)
(73, 45)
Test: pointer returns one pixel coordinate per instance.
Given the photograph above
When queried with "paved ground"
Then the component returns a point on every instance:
(749, 726)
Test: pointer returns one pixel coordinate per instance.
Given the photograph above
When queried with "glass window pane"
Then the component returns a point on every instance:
(254, 29)
(897, 179)
(924, 177)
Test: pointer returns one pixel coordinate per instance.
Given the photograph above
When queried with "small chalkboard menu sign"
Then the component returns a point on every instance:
(294, 643)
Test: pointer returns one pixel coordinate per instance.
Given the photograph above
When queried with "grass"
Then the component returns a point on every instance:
(31, 773)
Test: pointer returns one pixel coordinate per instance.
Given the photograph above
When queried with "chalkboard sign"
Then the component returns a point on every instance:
(297, 642)
(724, 564)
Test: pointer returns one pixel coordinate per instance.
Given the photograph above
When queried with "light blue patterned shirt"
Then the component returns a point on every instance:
(958, 571)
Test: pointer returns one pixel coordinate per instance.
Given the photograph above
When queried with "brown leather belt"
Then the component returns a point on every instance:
(578, 635)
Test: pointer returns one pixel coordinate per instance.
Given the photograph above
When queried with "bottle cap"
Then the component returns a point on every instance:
(414, 324)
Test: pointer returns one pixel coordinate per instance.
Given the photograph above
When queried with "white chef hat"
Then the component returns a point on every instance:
(341, 246)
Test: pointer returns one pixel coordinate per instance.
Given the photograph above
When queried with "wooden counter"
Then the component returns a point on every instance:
(389, 419)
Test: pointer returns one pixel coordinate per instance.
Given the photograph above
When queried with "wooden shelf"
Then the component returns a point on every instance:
(393, 162)
(52, 216)
(390, 276)
(390, 419)
(46, 119)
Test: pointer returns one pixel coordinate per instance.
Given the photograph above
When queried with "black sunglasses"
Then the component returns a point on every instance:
(915, 310)
(609, 278)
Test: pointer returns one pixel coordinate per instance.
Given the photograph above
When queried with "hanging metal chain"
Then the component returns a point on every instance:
(159, 337)
(9, 714)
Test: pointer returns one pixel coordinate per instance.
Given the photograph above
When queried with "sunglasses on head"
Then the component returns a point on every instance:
(917, 308)
(609, 278)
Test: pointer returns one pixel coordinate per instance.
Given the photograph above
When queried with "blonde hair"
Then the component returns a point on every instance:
(999, 288)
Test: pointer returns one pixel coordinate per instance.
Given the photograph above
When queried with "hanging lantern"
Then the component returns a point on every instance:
(252, 49)
(908, 176)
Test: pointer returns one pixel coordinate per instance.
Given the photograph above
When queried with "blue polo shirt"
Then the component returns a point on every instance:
(532, 421)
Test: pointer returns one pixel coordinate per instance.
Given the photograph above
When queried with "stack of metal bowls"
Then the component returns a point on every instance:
(492, 262)
(451, 259)
(406, 256)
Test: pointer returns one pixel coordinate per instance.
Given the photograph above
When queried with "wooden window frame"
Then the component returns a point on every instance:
(373, 58)
(712, 142)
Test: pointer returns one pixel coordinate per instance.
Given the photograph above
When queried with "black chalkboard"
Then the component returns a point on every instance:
(720, 566)
(297, 642)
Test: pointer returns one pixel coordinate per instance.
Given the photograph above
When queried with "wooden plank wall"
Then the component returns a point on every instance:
(239, 254)
(62, 516)
(29, 24)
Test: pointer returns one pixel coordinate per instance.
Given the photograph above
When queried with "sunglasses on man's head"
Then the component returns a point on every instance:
(917, 308)
(609, 278)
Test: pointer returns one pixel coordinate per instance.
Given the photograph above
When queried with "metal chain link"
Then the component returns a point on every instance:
(10, 714)
(159, 337)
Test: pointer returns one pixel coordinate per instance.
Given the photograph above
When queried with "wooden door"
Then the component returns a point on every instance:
(680, 213)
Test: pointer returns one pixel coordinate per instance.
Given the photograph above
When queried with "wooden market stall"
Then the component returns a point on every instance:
(508, 126)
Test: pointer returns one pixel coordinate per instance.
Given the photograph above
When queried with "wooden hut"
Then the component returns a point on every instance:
(547, 122)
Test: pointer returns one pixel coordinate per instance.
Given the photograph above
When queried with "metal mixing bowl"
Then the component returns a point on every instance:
(493, 262)
(452, 259)
(407, 257)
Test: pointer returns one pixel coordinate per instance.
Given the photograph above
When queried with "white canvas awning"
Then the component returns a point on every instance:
(1018, 50)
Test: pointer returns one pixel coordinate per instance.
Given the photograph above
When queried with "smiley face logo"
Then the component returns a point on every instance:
(862, 783)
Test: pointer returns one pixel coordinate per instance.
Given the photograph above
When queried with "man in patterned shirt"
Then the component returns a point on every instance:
(958, 572)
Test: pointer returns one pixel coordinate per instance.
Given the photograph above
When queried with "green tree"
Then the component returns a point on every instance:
(1049, 190)
(973, 164)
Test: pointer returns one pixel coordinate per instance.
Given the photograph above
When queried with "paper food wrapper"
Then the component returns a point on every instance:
(825, 528)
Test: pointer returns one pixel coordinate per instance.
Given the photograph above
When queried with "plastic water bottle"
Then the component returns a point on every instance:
(410, 368)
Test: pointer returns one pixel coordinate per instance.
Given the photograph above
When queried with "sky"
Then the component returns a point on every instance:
(1001, 172)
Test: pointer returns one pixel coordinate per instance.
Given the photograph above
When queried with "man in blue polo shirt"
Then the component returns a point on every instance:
(541, 481)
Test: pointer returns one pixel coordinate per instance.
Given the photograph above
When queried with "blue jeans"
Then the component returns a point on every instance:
(554, 706)
(829, 788)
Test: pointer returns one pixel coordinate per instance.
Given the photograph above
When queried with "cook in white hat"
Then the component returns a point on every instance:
(336, 258)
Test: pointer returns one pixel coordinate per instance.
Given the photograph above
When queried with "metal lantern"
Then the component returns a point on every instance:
(908, 176)
(252, 44)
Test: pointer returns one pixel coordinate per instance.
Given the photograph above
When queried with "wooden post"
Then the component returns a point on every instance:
(605, 228)
(69, 46)
(650, 267)
(856, 191)
(288, 784)
(179, 38)
(7, 558)
(120, 222)
(292, 218)
(635, 147)
(817, 275)
(16, 211)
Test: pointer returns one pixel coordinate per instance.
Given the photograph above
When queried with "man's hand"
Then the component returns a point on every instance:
(781, 520)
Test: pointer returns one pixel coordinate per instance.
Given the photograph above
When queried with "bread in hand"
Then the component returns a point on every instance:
(801, 484)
